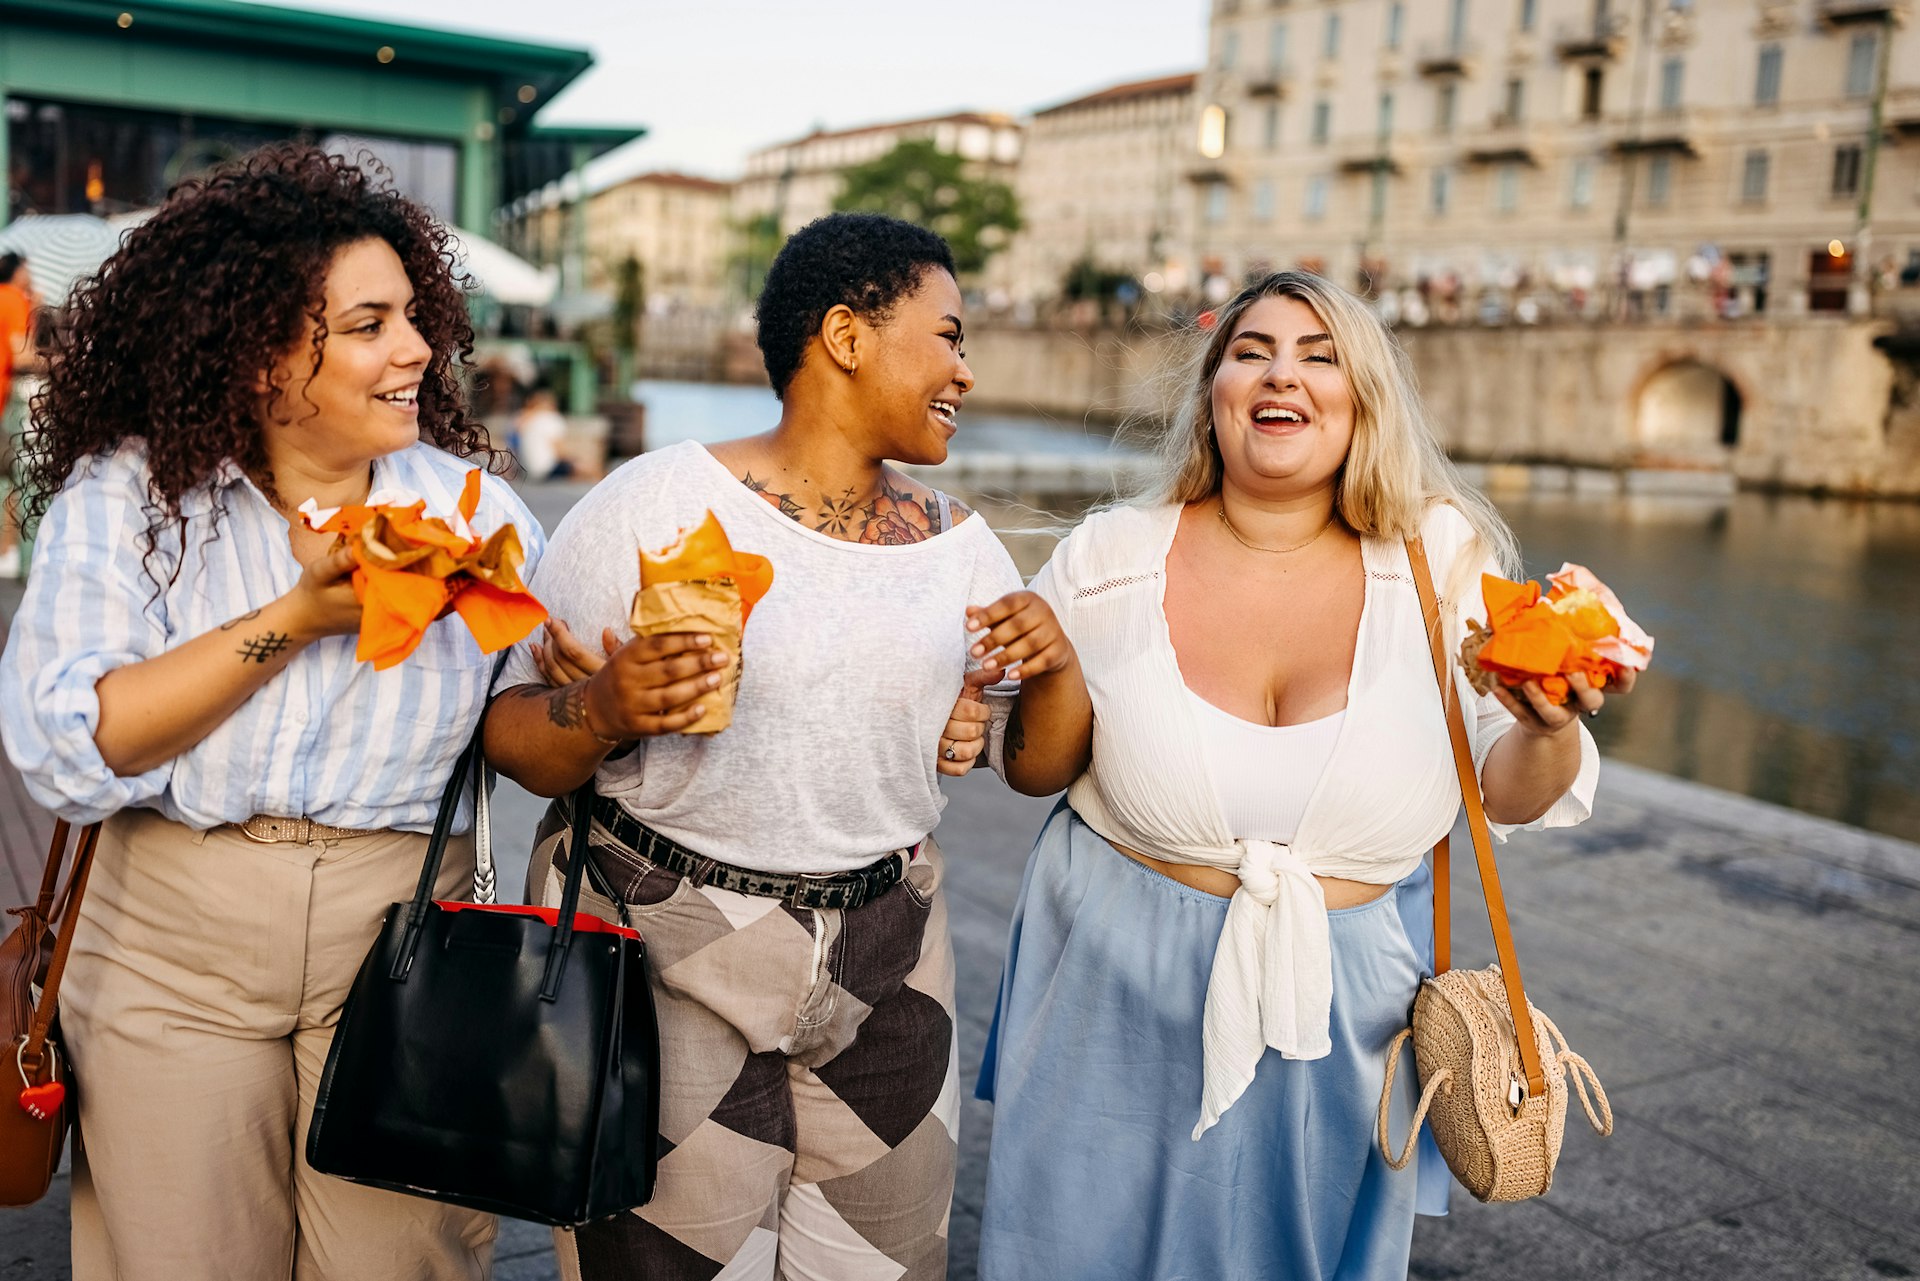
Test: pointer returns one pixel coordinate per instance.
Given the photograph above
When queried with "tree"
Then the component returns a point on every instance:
(922, 184)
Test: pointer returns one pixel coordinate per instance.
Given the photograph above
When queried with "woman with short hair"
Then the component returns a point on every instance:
(1225, 922)
(183, 667)
(781, 869)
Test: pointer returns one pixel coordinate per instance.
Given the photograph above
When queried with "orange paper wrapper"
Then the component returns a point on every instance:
(1578, 625)
(701, 584)
(411, 568)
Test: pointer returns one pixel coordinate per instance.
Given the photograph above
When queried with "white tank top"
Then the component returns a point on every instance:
(1263, 774)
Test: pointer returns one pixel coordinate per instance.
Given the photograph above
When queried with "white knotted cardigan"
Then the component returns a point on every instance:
(1388, 793)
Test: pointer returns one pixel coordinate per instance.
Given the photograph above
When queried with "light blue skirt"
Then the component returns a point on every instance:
(1093, 1066)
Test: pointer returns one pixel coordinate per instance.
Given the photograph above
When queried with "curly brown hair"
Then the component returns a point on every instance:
(170, 341)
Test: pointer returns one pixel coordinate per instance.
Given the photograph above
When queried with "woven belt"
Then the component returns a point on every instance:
(267, 829)
(843, 890)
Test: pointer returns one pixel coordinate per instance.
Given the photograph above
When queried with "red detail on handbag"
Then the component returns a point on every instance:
(42, 1101)
(582, 922)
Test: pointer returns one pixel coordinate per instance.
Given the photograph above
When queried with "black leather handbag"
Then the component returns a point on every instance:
(501, 1058)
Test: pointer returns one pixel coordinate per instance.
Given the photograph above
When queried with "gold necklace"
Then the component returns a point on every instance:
(1221, 511)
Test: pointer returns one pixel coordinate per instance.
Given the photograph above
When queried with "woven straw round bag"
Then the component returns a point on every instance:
(1493, 1087)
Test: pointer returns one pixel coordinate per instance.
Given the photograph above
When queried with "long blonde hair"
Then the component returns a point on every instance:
(1395, 469)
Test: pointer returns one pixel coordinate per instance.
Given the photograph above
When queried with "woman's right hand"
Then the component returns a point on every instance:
(653, 685)
(323, 601)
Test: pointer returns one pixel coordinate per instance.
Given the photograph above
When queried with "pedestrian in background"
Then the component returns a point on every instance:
(16, 357)
(1225, 922)
(183, 667)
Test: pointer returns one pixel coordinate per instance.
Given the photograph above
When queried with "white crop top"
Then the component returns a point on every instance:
(1263, 775)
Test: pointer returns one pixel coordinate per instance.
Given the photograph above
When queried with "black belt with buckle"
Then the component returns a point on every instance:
(842, 890)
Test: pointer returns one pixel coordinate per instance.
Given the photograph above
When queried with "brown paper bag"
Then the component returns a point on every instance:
(698, 605)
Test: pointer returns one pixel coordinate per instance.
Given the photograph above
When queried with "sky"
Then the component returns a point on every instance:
(713, 80)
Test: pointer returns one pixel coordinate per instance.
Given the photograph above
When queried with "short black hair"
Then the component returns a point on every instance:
(10, 263)
(867, 261)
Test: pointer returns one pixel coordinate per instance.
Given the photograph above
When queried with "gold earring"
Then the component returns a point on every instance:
(849, 367)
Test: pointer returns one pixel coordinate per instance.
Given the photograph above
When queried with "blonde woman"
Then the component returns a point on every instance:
(1225, 922)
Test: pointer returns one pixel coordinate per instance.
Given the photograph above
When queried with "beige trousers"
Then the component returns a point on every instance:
(206, 977)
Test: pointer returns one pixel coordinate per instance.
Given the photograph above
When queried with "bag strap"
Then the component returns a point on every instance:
(1482, 840)
(33, 1048)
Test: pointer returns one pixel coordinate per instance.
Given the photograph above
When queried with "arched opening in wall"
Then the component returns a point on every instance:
(1689, 413)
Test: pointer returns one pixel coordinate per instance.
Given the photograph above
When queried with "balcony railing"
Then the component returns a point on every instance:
(1447, 57)
(1601, 37)
(1269, 81)
(1367, 155)
(1670, 131)
(1504, 141)
(1841, 13)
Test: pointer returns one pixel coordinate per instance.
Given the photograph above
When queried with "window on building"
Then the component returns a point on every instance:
(1445, 100)
(1277, 46)
(1659, 180)
(1317, 196)
(1229, 49)
(1270, 134)
(1846, 169)
(1330, 36)
(1263, 200)
(1516, 101)
(1529, 14)
(1673, 73)
(1396, 23)
(1593, 88)
(1506, 188)
(1440, 195)
(1580, 183)
(1216, 202)
(1753, 177)
(1322, 121)
(1457, 24)
(1766, 81)
(1386, 115)
(1862, 54)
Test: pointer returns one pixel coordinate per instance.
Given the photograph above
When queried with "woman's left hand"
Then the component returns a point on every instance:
(564, 660)
(1534, 714)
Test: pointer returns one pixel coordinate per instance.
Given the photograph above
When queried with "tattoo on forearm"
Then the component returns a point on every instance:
(567, 706)
(244, 618)
(1015, 741)
(259, 649)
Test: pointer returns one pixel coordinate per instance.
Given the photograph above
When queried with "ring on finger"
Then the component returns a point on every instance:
(948, 754)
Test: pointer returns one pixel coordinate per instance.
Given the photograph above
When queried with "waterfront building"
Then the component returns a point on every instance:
(105, 107)
(797, 181)
(1493, 160)
(676, 226)
(1102, 183)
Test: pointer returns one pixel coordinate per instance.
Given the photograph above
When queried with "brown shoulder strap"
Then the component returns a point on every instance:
(43, 1013)
(1482, 837)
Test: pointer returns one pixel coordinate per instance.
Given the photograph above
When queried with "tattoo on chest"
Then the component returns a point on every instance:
(1015, 741)
(261, 648)
(894, 517)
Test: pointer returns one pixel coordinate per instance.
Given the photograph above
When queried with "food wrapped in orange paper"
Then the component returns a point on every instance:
(701, 584)
(1578, 625)
(411, 568)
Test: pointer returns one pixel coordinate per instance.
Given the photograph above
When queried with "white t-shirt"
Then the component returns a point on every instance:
(852, 663)
(540, 435)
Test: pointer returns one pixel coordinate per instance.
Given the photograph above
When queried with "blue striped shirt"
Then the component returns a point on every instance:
(328, 737)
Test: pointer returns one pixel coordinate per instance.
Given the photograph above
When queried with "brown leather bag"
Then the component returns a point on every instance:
(1492, 1083)
(33, 1121)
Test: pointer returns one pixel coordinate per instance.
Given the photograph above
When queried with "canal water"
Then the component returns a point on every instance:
(1786, 664)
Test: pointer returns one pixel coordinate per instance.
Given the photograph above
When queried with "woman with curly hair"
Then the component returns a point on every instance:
(183, 667)
(781, 869)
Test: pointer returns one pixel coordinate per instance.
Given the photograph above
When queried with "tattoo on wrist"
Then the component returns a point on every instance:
(1015, 740)
(261, 648)
(244, 618)
(567, 706)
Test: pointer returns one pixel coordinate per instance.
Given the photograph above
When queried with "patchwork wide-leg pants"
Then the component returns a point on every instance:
(808, 1102)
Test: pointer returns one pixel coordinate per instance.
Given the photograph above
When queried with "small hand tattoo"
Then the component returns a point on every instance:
(567, 706)
(258, 649)
(244, 618)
